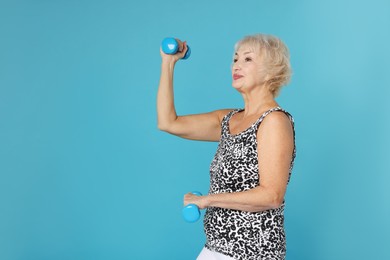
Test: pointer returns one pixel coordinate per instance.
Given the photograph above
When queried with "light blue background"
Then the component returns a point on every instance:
(85, 174)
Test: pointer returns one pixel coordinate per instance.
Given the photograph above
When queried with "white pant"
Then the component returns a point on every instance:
(210, 255)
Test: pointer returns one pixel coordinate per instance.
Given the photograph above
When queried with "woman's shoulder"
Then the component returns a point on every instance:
(278, 120)
(277, 114)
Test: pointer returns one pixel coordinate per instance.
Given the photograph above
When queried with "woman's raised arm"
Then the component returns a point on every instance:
(203, 127)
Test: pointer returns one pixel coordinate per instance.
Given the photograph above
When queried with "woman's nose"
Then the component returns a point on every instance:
(236, 66)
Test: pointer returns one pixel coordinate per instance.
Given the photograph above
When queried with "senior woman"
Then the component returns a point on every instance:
(253, 162)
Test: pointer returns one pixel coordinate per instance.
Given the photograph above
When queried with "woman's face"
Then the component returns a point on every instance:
(247, 69)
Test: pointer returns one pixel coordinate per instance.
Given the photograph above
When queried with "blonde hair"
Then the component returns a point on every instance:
(276, 59)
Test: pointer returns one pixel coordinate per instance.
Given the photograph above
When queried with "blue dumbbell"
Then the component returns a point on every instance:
(191, 212)
(170, 46)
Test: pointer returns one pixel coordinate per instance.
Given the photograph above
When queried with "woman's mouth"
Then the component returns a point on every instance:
(237, 76)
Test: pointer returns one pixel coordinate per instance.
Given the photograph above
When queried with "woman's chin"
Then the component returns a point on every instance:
(235, 85)
(238, 87)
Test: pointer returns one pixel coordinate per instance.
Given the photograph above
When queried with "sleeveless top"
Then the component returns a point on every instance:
(241, 234)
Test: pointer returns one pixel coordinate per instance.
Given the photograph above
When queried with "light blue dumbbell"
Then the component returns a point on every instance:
(170, 46)
(191, 212)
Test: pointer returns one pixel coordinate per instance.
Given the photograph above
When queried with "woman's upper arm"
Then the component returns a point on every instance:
(275, 150)
(202, 127)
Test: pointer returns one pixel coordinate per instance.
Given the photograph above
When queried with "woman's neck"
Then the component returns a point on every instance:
(257, 102)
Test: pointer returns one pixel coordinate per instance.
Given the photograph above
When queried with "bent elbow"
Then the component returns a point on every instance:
(162, 127)
(271, 202)
(276, 202)
(168, 128)
(166, 125)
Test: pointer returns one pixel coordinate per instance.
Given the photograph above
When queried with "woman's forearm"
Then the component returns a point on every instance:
(166, 112)
(254, 200)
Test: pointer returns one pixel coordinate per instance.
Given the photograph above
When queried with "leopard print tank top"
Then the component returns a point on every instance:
(240, 234)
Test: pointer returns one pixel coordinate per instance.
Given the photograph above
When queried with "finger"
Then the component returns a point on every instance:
(180, 43)
(185, 47)
(186, 200)
(182, 52)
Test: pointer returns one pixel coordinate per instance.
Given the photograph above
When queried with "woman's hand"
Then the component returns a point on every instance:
(200, 201)
(177, 56)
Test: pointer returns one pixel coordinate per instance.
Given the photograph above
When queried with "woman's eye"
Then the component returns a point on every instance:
(234, 60)
(248, 59)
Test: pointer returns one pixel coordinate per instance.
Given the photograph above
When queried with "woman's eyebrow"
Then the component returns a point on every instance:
(247, 52)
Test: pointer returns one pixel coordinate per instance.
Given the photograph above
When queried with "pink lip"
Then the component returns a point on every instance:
(237, 76)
